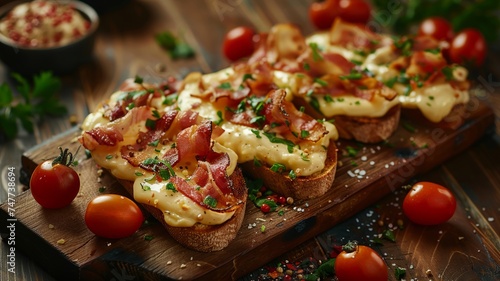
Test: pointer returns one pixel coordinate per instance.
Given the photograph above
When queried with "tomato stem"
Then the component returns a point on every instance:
(65, 157)
(350, 246)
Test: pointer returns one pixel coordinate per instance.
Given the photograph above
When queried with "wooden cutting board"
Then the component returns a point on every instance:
(365, 174)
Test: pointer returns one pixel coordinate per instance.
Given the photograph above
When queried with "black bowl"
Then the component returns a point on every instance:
(61, 59)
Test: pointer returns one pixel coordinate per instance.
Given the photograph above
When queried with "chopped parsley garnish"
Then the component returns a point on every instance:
(170, 186)
(130, 106)
(304, 157)
(138, 174)
(210, 201)
(145, 187)
(315, 51)
(109, 156)
(389, 235)
(328, 98)
(354, 75)
(170, 99)
(306, 66)
(256, 162)
(257, 119)
(150, 124)
(247, 76)
(138, 80)
(434, 51)
(154, 143)
(304, 134)
(274, 139)
(321, 82)
(292, 174)
(256, 133)
(351, 151)
(448, 72)
(278, 168)
(220, 120)
(225, 86)
(391, 81)
(175, 47)
(148, 237)
(400, 273)
(315, 104)
(405, 45)
(409, 127)
(357, 62)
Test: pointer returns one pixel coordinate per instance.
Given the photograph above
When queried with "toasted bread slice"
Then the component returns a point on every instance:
(368, 129)
(307, 187)
(452, 121)
(362, 129)
(205, 238)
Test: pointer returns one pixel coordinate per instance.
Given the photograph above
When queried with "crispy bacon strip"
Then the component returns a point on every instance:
(280, 111)
(355, 36)
(112, 134)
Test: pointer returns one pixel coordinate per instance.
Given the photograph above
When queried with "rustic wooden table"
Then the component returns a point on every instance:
(465, 248)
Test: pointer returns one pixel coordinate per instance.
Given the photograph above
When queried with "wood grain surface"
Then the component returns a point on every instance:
(466, 248)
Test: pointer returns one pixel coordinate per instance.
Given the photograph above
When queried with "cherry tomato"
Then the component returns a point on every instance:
(468, 46)
(355, 11)
(322, 14)
(238, 43)
(113, 216)
(358, 262)
(54, 184)
(428, 203)
(436, 27)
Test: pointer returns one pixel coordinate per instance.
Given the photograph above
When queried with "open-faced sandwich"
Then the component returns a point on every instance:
(170, 162)
(427, 86)
(292, 152)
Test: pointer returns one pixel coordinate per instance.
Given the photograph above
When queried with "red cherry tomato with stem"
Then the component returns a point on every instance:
(428, 203)
(358, 262)
(113, 216)
(436, 27)
(239, 43)
(468, 46)
(54, 184)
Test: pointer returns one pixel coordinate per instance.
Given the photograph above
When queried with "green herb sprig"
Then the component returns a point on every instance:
(37, 99)
(177, 48)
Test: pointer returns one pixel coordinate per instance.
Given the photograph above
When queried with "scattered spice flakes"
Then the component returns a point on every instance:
(61, 241)
(51, 226)
(183, 265)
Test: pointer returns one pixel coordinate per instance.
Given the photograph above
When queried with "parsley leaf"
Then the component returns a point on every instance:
(38, 100)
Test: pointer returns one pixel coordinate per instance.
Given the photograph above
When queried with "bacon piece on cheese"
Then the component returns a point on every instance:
(356, 37)
(283, 113)
(114, 132)
(424, 63)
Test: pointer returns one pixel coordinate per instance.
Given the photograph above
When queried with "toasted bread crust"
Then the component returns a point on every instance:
(205, 238)
(302, 187)
(452, 121)
(367, 129)
(362, 129)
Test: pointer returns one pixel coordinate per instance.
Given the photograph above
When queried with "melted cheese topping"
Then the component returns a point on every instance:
(178, 210)
(435, 102)
(305, 159)
(322, 39)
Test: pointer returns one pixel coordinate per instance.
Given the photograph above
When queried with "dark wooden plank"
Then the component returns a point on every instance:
(87, 255)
